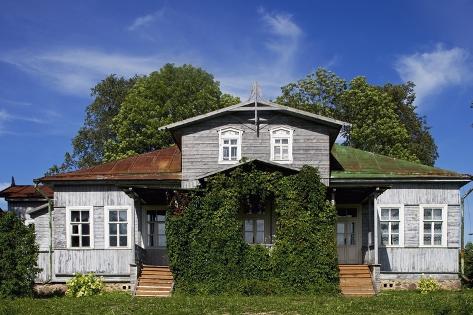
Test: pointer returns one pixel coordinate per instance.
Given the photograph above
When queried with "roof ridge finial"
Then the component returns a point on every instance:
(255, 94)
(13, 181)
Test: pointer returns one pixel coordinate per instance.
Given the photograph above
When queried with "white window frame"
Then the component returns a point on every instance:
(69, 226)
(444, 208)
(106, 216)
(399, 206)
(290, 141)
(221, 138)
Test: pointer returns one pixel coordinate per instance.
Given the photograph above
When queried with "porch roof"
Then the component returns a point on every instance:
(25, 192)
(351, 163)
(164, 164)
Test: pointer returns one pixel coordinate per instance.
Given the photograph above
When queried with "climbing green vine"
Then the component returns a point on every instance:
(207, 251)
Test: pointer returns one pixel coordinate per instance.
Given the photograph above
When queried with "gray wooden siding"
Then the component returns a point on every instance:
(20, 207)
(43, 264)
(112, 262)
(102, 262)
(411, 226)
(200, 143)
(41, 228)
(96, 196)
(415, 194)
(419, 260)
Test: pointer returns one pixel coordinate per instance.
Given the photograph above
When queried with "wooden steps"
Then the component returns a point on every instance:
(155, 281)
(355, 280)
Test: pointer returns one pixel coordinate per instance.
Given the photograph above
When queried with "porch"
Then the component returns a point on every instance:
(356, 235)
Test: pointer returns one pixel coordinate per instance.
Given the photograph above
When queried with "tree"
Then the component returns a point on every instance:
(171, 94)
(469, 262)
(383, 118)
(18, 256)
(88, 145)
(421, 142)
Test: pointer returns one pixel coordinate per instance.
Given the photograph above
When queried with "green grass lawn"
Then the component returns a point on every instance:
(119, 303)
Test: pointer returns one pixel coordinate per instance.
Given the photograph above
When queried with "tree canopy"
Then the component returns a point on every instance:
(383, 118)
(171, 94)
(88, 145)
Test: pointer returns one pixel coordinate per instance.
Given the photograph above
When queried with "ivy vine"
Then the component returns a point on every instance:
(208, 254)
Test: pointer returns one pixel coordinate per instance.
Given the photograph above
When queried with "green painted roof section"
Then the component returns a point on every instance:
(359, 164)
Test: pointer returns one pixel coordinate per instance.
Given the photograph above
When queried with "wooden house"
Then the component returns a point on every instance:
(397, 220)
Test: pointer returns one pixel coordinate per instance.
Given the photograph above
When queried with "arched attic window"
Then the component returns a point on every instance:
(229, 146)
(281, 145)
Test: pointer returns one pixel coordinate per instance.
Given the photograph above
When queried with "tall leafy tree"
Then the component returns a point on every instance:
(421, 142)
(171, 94)
(383, 118)
(88, 145)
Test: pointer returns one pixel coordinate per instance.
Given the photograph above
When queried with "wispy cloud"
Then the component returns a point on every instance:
(283, 37)
(4, 101)
(7, 117)
(145, 20)
(75, 71)
(435, 70)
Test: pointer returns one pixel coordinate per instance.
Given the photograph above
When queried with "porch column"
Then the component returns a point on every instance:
(375, 221)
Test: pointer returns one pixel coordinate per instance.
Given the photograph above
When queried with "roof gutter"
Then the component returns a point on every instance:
(50, 227)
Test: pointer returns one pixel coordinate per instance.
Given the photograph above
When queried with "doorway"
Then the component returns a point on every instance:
(154, 236)
(349, 234)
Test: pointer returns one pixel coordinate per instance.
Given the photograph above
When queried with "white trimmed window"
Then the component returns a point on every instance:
(79, 227)
(117, 227)
(433, 225)
(391, 222)
(230, 146)
(254, 231)
(281, 145)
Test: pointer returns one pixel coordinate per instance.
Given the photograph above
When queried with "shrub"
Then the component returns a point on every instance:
(18, 256)
(427, 285)
(469, 263)
(84, 285)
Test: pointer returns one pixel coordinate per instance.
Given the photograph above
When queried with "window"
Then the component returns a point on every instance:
(230, 146)
(118, 226)
(281, 145)
(433, 225)
(79, 227)
(156, 225)
(254, 231)
(391, 222)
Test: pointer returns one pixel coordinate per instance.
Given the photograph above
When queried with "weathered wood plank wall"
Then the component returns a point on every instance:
(200, 143)
(419, 260)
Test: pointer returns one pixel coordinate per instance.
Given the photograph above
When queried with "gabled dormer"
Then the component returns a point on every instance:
(252, 130)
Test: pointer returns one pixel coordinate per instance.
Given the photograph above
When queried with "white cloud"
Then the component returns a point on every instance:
(6, 117)
(145, 20)
(283, 40)
(75, 71)
(434, 71)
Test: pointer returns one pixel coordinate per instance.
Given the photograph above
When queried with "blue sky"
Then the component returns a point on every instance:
(53, 52)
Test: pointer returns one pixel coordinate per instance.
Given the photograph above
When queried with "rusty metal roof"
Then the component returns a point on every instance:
(25, 192)
(351, 163)
(164, 164)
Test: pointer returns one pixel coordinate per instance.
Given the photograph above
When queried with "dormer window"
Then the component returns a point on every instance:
(230, 146)
(281, 145)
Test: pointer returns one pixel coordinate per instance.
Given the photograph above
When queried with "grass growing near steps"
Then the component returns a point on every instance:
(119, 303)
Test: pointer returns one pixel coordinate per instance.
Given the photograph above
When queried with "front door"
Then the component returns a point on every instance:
(155, 237)
(349, 235)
